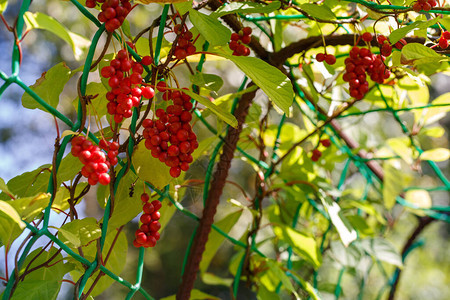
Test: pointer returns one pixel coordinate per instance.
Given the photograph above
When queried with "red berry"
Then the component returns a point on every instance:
(330, 59)
(145, 197)
(147, 60)
(148, 208)
(148, 92)
(175, 172)
(367, 36)
(104, 179)
(320, 57)
(446, 35)
(156, 216)
(246, 30)
(161, 86)
(155, 226)
(146, 218)
(443, 43)
(156, 204)
(326, 142)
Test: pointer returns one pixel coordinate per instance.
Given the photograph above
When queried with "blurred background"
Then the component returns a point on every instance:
(27, 139)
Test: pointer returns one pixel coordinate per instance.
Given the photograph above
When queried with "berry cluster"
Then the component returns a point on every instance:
(316, 153)
(112, 150)
(113, 12)
(425, 5)
(443, 40)
(239, 40)
(185, 45)
(96, 164)
(170, 138)
(328, 58)
(147, 235)
(361, 62)
(125, 79)
(385, 46)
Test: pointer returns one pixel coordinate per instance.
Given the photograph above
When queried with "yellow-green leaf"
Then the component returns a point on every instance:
(438, 154)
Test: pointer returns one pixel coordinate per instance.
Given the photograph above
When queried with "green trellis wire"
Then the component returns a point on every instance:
(164, 194)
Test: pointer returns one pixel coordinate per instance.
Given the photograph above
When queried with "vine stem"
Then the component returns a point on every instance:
(212, 201)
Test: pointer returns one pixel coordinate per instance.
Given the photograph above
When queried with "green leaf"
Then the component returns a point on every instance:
(127, 207)
(212, 279)
(116, 261)
(246, 8)
(302, 245)
(36, 290)
(271, 80)
(321, 12)
(215, 239)
(39, 20)
(68, 168)
(210, 28)
(343, 227)
(195, 295)
(29, 207)
(54, 272)
(31, 183)
(265, 294)
(400, 146)
(419, 199)
(11, 225)
(383, 250)
(416, 51)
(145, 165)
(80, 232)
(61, 200)
(274, 276)
(217, 110)
(225, 98)
(346, 256)
(397, 34)
(3, 5)
(97, 106)
(208, 81)
(438, 154)
(393, 183)
(4, 188)
(49, 86)
(360, 224)
(436, 113)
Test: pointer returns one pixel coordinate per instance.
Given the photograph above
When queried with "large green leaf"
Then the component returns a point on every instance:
(11, 225)
(39, 20)
(342, 225)
(80, 232)
(217, 110)
(321, 12)
(208, 81)
(29, 207)
(30, 183)
(37, 290)
(271, 80)
(393, 183)
(145, 165)
(245, 8)
(210, 28)
(215, 239)
(127, 205)
(383, 250)
(68, 168)
(54, 272)
(115, 263)
(303, 245)
(274, 276)
(49, 86)
(401, 32)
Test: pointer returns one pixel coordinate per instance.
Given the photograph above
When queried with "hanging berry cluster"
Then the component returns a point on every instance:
(361, 62)
(170, 138)
(96, 163)
(425, 5)
(316, 153)
(113, 12)
(443, 40)
(147, 235)
(239, 40)
(185, 45)
(125, 79)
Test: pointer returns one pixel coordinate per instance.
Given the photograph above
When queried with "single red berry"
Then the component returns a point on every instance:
(104, 179)
(367, 36)
(161, 86)
(330, 59)
(148, 208)
(175, 172)
(443, 43)
(246, 30)
(326, 142)
(145, 197)
(147, 60)
(156, 204)
(155, 226)
(90, 3)
(156, 215)
(446, 35)
(147, 92)
(320, 57)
